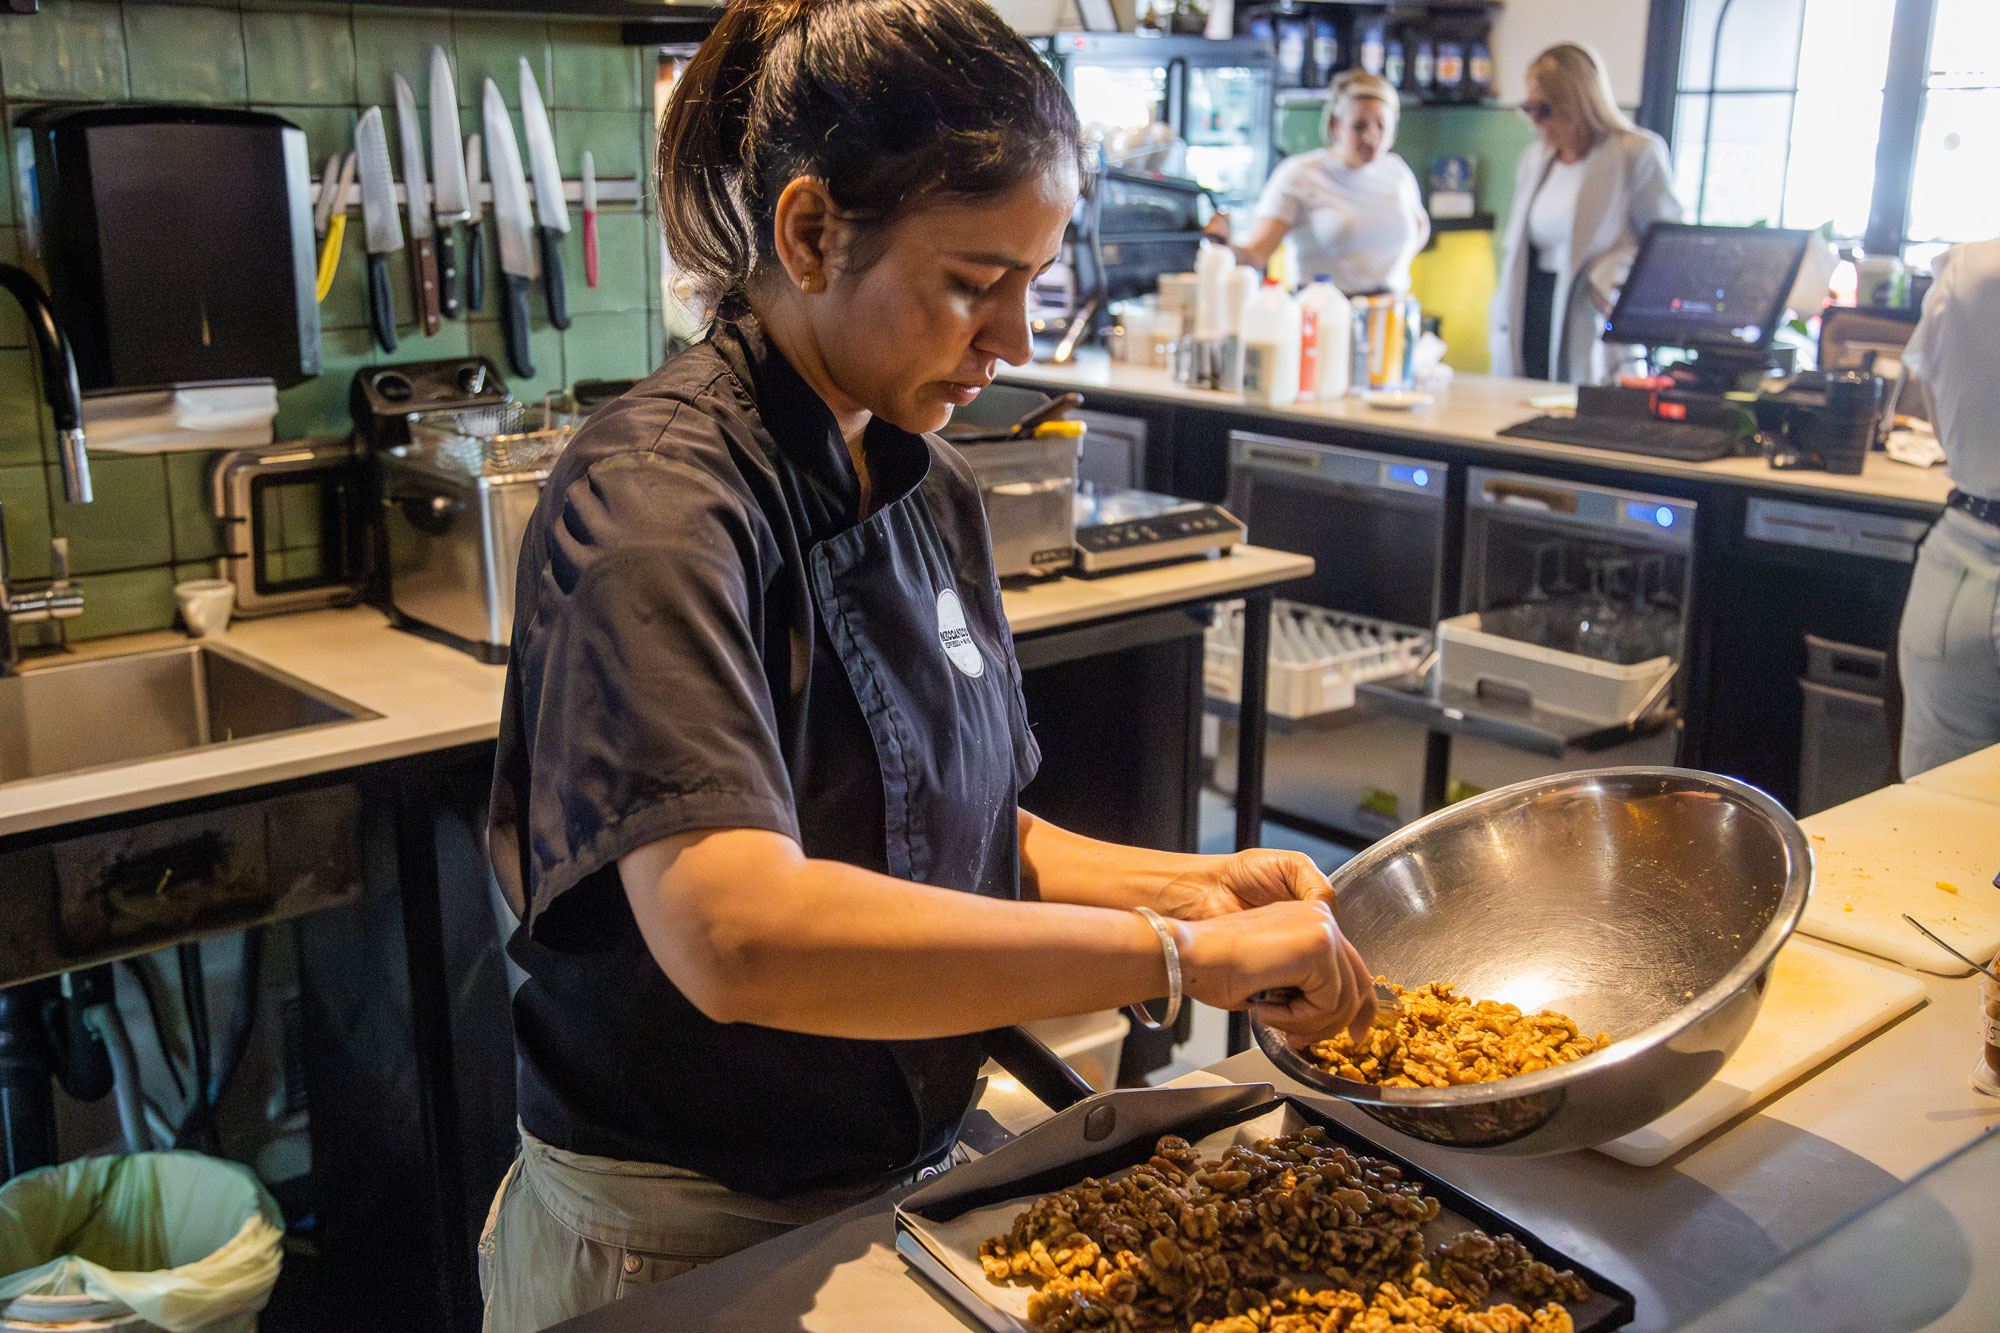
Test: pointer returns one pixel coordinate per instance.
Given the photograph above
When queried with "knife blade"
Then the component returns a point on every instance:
(378, 217)
(475, 240)
(551, 209)
(323, 208)
(417, 195)
(510, 220)
(589, 220)
(450, 201)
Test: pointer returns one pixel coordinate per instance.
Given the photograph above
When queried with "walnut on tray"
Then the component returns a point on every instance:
(1293, 1233)
(1441, 1039)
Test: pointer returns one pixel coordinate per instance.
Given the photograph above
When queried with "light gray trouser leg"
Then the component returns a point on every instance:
(1949, 648)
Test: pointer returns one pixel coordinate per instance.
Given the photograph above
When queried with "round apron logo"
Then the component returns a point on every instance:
(956, 638)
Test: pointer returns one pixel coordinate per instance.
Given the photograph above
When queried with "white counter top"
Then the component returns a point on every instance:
(1470, 412)
(429, 697)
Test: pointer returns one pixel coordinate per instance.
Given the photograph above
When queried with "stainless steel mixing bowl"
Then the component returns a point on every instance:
(1646, 903)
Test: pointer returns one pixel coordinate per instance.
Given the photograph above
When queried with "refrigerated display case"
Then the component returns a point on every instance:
(1215, 96)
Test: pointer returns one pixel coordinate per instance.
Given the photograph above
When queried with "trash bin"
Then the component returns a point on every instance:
(175, 1241)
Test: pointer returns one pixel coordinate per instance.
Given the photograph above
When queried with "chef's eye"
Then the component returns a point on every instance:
(968, 287)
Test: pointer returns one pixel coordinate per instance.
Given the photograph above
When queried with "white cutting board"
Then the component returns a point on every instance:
(1977, 776)
(1820, 1003)
(1884, 854)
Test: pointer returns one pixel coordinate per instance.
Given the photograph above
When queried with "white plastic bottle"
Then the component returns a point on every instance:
(1324, 371)
(1212, 265)
(1271, 335)
(1239, 289)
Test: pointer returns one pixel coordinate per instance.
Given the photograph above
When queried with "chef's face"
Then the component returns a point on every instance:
(1364, 131)
(922, 329)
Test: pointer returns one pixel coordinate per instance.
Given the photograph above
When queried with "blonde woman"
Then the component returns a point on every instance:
(1586, 192)
(1352, 208)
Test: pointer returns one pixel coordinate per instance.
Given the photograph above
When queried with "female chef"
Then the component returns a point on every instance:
(763, 734)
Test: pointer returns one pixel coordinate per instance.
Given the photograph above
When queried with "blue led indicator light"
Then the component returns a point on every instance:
(1421, 476)
(1664, 516)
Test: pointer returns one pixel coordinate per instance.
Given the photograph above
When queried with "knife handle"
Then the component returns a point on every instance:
(552, 275)
(329, 255)
(381, 303)
(424, 257)
(475, 265)
(590, 247)
(447, 262)
(514, 323)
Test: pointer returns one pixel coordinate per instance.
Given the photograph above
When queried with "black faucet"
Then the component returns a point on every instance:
(60, 599)
(58, 379)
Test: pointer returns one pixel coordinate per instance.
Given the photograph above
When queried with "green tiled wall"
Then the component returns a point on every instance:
(318, 66)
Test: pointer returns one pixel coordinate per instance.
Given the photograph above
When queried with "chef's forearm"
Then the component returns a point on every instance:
(752, 931)
(1058, 866)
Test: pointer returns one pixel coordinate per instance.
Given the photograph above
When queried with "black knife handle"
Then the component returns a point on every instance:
(381, 302)
(447, 256)
(552, 275)
(514, 324)
(475, 266)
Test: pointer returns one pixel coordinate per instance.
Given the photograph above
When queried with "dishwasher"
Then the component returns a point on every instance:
(1569, 647)
(1374, 525)
(1814, 591)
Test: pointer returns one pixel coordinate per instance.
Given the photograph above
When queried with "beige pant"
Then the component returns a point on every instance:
(568, 1233)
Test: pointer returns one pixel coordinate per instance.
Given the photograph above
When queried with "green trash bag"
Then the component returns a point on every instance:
(183, 1240)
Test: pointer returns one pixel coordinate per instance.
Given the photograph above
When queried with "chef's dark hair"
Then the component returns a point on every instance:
(893, 104)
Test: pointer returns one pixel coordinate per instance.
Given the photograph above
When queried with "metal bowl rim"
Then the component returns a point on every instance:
(1791, 906)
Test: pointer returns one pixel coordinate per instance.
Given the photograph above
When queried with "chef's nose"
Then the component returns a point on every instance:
(1005, 333)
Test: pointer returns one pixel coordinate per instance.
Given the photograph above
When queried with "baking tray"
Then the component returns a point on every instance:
(1101, 1135)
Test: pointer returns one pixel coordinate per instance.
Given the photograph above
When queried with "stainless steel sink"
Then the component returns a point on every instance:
(116, 710)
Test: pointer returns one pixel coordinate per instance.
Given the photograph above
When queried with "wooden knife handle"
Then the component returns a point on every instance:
(381, 301)
(475, 266)
(424, 257)
(514, 323)
(447, 259)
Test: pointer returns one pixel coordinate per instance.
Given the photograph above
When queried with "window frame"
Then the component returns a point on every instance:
(1903, 89)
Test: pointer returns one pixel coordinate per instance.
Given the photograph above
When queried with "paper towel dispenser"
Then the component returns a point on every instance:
(177, 241)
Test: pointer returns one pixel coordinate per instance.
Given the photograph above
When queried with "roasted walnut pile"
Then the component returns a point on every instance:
(1180, 1242)
(1442, 1039)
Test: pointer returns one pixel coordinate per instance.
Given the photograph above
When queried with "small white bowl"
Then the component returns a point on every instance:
(205, 605)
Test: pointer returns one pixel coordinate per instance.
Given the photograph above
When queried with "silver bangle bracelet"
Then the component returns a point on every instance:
(1171, 952)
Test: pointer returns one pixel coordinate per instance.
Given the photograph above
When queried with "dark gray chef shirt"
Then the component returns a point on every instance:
(669, 673)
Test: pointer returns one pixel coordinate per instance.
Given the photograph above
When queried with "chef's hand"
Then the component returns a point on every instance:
(1292, 947)
(1218, 226)
(1253, 878)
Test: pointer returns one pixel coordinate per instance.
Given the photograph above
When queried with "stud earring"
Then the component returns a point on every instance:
(811, 282)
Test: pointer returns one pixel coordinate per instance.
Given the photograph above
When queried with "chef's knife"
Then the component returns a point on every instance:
(336, 227)
(510, 219)
(417, 194)
(378, 216)
(475, 240)
(589, 220)
(551, 209)
(451, 201)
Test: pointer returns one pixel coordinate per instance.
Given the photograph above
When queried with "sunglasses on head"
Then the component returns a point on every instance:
(1537, 111)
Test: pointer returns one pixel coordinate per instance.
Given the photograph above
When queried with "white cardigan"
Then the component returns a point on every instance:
(1627, 186)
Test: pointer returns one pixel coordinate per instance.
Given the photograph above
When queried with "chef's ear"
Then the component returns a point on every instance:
(810, 235)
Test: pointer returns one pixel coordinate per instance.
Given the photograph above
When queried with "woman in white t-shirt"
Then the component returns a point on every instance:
(1352, 209)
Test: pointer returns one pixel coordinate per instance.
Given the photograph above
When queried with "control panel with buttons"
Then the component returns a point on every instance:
(382, 398)
(1121, 529)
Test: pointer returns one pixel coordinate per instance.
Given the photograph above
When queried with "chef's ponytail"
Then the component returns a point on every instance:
(892, 104)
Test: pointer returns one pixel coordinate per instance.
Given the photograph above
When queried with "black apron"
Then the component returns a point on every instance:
(941, 705)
